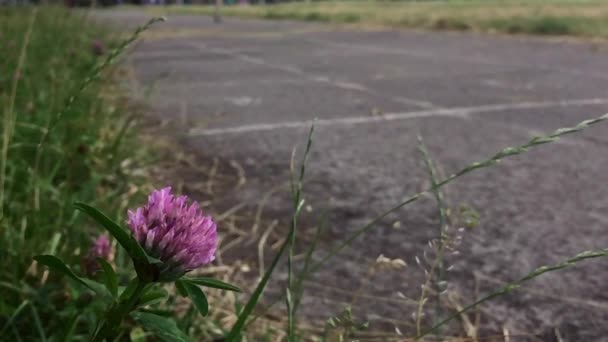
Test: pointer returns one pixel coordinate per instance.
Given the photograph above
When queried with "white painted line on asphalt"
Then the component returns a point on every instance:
(163, 56)
(467, 58)
(171, 84)
(321, 122)
(601, 218)
(245, 58)
(457, 112)
(314, 78)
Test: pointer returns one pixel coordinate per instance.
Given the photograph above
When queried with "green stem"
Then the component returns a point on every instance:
(236, 331)
(297, 207)
(110, 327)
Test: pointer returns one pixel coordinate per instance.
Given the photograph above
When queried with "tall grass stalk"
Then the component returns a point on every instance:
(302, 276)
(437, 268)
(238, 327)
(425, 289)
(94, 74)
(9, 116)
(493, 160)
(299, 286)
(516, 284)
(298, 202)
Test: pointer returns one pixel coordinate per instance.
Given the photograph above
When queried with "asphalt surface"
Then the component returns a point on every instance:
(247, 91)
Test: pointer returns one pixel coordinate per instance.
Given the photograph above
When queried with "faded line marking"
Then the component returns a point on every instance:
(246, 58)
(231, 83)
(319, 122)
(430, 55)
(506, 85)
(314, 78)
(601, 218)
(458, 112)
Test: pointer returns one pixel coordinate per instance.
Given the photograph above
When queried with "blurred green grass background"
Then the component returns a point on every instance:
(52, 157)
(588, 18)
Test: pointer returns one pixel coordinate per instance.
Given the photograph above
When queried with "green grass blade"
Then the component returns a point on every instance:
(237, 329)
(69, 334)
(297, 207)
(299, 286)
(13, 316)
(9, 117)
(38, 323)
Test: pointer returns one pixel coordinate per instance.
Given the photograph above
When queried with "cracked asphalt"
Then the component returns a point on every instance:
(248, 90)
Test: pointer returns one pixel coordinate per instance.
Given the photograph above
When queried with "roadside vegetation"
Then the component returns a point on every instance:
(584, 18)
(67, 137)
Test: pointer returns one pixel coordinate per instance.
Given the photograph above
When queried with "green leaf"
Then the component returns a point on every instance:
(164, 328)
(129, 289)
(97, 288)
(154, 295)
(214, 283)
(158, 312)
(125, 239)
(198, 297)
(151, 260)
(109, 277)
(181, 289)
(55, 264)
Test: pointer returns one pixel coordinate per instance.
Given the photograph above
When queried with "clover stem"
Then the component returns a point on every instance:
(110, 327)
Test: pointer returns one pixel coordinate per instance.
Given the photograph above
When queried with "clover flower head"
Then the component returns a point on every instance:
(100, 248)
(176, 232)
(98, 47)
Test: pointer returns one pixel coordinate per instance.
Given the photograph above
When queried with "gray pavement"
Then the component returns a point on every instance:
(247, 91)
